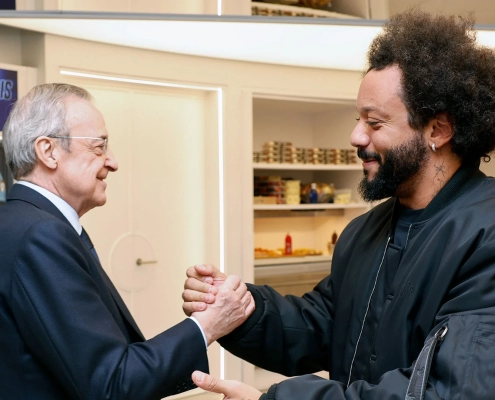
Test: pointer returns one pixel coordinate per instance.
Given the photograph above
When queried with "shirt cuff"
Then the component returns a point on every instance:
(201, 329)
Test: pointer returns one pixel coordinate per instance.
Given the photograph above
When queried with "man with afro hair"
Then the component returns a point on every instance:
(408, 311)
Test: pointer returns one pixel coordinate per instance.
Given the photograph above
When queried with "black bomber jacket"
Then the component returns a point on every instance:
(367, 326)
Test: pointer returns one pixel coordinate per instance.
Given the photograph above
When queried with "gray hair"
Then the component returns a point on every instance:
(41, 112)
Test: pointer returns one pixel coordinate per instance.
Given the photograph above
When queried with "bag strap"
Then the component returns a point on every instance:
(421, 370)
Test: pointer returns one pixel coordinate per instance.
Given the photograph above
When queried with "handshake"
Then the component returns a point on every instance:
(219, 304)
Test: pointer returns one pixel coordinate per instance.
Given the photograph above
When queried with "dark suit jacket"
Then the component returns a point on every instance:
(65, 333)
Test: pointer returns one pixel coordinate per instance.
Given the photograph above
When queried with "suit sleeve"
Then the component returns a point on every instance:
(70, 331)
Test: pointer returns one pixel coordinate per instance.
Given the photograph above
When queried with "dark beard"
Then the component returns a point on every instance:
(400, 165)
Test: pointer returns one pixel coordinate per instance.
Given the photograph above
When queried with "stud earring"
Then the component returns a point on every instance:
(433, 148)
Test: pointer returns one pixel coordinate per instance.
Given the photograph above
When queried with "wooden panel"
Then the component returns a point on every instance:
(296, 284)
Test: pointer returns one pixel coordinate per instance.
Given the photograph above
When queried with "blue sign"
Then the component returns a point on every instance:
(7, 5)
(8, 93)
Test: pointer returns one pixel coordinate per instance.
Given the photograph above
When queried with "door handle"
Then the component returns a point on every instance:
(141, 262)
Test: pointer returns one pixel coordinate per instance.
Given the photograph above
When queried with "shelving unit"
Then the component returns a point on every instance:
(287, 10)
(305, 122)
(300, 207)
(307, 167)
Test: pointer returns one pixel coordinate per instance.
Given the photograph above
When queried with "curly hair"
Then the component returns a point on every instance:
(444, 71)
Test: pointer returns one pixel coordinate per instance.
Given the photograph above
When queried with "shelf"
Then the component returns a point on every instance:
(269, 9)
(308, 167)
(308, 207)
(263, 262)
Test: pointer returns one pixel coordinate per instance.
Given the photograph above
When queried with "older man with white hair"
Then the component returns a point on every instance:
(65, 332)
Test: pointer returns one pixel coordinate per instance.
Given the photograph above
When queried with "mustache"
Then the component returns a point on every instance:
(368, 155)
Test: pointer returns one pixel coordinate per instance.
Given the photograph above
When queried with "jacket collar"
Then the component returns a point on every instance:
(464, 179)
(24, 193)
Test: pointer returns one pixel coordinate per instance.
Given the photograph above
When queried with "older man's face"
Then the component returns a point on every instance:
(394, 154)
(81, 172)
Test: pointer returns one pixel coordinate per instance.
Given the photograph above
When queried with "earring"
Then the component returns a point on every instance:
(433, 148)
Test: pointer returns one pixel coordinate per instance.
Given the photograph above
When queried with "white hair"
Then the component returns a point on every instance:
(41, 112)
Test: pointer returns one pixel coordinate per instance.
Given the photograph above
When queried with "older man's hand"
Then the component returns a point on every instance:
(201, 287)
(232, 390)
(233, 305)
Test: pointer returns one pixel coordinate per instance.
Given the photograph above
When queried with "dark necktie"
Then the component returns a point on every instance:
(87, 241)
(134, 332)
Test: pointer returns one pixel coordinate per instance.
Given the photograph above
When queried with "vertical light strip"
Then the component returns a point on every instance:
(221, 191)
(219, 7)
(221, 194)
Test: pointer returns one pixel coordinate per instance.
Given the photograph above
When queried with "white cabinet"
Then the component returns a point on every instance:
(306, 123)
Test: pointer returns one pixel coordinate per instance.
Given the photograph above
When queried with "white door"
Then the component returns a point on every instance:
(163, 202)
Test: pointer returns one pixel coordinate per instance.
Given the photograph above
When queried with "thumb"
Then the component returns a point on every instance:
(209, 270)
(231, 283)
(207, 382)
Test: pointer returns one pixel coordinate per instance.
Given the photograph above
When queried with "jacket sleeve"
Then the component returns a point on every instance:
(463, 367)
(289, 335)
(69, 330)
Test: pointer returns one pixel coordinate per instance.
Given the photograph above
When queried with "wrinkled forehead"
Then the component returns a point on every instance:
(84, 119)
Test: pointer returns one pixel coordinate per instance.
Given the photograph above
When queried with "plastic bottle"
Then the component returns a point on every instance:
(288, 245)
(313, 194)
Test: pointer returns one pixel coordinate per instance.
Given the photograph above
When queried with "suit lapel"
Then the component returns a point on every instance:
(110, 286)
(24, 193)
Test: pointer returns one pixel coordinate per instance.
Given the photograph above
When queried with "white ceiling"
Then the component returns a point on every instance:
(334, 44)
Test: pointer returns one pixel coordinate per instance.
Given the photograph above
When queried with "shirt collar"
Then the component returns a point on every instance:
(58, 202)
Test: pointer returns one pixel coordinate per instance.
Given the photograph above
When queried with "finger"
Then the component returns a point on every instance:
(250, 307)
(207, 382)
(193, 306)
(209, 270)
(214, 273)
(241, 290)
(231, 283)
(192, 273)
(193, 295)
(198, 286)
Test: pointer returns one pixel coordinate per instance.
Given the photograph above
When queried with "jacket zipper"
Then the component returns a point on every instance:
(367, 309)
(407, 237)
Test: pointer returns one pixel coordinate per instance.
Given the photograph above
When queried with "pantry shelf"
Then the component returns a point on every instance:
(307, 167)
(308, 207)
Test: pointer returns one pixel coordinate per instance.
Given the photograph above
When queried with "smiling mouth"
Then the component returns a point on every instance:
(368, 157)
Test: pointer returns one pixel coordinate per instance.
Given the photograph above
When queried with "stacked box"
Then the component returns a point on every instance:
(271, 186)
(285, 152)
(352, 157)
(292, 191)
(278, 152)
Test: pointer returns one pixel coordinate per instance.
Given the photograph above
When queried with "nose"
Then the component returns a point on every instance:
(111, 162)
(359, 136)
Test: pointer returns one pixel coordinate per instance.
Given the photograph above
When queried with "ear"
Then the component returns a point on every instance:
(46, 152)
(440, 131)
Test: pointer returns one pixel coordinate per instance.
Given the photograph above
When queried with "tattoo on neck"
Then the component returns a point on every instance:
(440, 173)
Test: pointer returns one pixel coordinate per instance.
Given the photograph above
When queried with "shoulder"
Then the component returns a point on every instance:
(379, 214)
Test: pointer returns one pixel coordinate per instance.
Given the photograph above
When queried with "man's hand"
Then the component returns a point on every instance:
(232, 390)
(233, 305)
(201, 287)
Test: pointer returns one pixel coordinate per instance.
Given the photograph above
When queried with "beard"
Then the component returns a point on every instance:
(397, 170)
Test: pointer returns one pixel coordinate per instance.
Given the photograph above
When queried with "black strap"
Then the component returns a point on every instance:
(421, 370)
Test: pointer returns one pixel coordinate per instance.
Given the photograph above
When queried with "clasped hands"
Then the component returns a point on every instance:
(220, 304)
